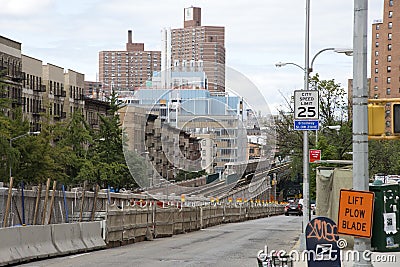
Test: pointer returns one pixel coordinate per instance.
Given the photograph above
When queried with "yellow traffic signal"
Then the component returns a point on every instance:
(376, 120)
(396, 118)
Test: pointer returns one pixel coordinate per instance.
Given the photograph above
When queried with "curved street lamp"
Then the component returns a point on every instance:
(282, 64)
(346, 51)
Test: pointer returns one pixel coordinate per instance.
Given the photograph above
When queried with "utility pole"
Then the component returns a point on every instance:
(360, 114)
(306, 172)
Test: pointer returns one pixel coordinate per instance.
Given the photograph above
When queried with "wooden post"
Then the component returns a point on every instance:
(95, 202)
(5, 223)
(46, 199)
(82, 201)
(52, 201)
(37, 204)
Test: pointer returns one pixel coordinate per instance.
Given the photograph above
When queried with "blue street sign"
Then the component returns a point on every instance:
(305, 125)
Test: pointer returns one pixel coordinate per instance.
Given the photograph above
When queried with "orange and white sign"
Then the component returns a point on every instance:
(356, 210)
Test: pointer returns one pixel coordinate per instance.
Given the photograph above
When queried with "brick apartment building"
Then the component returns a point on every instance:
(385, 56)
(196, 43)
(127, 69)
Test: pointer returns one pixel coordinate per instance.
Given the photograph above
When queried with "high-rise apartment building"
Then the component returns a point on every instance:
(385, 56)
(196, 45)
(128, 69)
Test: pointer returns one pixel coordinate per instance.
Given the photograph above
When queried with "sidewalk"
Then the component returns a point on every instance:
(378, 259)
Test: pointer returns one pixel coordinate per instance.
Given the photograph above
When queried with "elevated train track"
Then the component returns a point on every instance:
(254, 180)
(254, 176)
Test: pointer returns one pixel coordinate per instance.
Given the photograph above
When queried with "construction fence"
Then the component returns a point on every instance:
(149, 220)
(125, 218)
(41, 206)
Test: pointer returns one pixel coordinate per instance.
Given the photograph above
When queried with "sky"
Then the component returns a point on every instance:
(258, 34)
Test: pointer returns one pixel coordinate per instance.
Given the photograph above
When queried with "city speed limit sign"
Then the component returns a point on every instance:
(306, 105)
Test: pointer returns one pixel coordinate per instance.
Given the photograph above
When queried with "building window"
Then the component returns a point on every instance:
(376, 88)
(389, 47)
(390, 14)
(389, 58)
(376, 96)
(376, 79)
(388, 91)
(390, 25)
(376, 62)
(377, 26)
(376, 53)
(390, 2)
(377, 36)
(377, 44)
(389, 69)
(376, 70)
(390, 36)
(388, 79)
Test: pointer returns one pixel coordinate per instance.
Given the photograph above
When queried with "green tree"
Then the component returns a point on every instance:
(39, 156)
(384, 157)
(107, 155)
(13, 134)
(333, 105)
(73, 139)
(5, 128)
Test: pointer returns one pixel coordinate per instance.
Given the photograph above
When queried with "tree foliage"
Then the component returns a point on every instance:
(67, 151)
(384, 157)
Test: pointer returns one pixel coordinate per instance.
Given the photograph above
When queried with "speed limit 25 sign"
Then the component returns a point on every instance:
(306, 105)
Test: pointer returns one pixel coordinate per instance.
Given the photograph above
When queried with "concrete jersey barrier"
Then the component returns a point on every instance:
(67, 238)
(36, 242)
(10, 246)
(19, 244)
(91, 235)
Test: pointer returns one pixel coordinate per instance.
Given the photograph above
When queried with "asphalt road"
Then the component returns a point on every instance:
(234, 244)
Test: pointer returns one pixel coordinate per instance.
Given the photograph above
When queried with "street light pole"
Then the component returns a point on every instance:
(360, 114)
(306, 171)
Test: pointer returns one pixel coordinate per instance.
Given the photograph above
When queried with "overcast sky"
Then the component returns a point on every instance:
(258, 34)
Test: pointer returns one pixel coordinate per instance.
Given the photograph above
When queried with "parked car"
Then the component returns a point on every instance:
(294, 208)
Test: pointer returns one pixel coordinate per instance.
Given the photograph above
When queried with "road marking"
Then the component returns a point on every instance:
(76, 256)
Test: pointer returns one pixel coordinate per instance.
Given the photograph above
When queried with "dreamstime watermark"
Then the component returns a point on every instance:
(326, 252)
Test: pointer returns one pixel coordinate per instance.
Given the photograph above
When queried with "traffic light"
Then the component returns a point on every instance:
(396, 118)
(376, 120)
